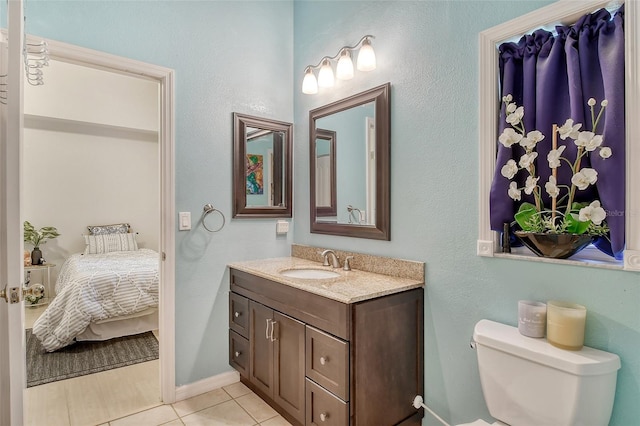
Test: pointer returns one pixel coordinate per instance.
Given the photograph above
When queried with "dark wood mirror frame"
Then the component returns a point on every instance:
(381, 95)
(281, 157)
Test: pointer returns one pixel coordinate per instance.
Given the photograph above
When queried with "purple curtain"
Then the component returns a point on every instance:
(553, 76)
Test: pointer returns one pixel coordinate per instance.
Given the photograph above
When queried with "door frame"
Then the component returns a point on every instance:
(166, 140)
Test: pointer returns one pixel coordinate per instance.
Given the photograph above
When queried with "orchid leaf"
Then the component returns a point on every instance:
(575, 226)
(524, 217)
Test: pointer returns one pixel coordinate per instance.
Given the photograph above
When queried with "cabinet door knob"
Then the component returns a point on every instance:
(324, 360)
(324, 416)
(237, 314)
(237, 354)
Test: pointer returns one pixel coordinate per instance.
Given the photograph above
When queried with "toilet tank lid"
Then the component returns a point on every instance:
(585, 362)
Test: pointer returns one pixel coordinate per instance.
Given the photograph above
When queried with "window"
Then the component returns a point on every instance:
(565, 12)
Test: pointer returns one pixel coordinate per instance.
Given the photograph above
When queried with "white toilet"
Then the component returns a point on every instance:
(529, 382)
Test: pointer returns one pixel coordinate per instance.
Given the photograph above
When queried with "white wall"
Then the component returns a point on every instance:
(90, 156)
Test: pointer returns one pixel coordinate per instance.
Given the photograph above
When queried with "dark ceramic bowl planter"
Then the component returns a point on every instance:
(556, 246)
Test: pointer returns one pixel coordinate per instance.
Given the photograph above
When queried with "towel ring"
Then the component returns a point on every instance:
(208, 208)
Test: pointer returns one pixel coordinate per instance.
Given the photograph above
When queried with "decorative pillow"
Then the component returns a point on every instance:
(97, 244)
(117, 228)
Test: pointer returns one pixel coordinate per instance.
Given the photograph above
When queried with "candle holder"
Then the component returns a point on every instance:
(532, 318)
(565, 324)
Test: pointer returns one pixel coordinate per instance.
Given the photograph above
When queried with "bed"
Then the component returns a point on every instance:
(110, 290)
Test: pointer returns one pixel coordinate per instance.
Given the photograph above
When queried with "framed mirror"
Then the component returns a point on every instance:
(262, 158)
(349, 146)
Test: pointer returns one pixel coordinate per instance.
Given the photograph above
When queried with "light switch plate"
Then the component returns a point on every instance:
(185, 221)
(282, 227)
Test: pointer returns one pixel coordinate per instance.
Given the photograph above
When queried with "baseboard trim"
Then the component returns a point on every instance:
(206, 385)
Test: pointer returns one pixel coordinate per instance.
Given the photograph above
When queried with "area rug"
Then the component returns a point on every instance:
(86, 357)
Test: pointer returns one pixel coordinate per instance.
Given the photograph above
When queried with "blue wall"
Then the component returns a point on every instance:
(428, 50)
(249, 57)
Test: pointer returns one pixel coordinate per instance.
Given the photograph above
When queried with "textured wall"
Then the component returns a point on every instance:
(428, 51)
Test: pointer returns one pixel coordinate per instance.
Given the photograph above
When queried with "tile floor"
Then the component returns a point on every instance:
(129, 396)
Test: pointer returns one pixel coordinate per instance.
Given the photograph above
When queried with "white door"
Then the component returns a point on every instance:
(12, 368)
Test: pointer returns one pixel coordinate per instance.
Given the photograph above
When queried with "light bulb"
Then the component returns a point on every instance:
(325, 76)
(309, 83)
(366, 57)
(344, 69)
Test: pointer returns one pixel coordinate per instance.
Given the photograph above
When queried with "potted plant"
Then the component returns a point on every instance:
(566, 226)
(37, 237)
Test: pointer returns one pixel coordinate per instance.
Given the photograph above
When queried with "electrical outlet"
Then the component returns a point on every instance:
(282, 227)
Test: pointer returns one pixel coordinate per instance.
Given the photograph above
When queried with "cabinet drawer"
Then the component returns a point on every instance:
(239, 314)
(324, 408)
(327, 362)
(239, 353)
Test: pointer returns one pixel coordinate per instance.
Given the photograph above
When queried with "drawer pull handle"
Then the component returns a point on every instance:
(266, 332)
(237, 354)
(324, 416)
(237, 314)
(324, 360)
(273, 326)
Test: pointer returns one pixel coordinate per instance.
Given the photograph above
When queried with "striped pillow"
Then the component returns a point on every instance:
(97, 244)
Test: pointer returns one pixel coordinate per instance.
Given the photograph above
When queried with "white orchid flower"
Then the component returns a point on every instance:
(514, 192)
(589, 140)
(553, 157)
(511, 107)
(530, 185)
(594, 143)
(591, 102)
(516, 116)
(533, 137)
(569, 130)
(509, 137)
(592, 212)
(552, 188)
(605, 152)
(507, 98)
(510, 169)
(584, 178)
(527, 159)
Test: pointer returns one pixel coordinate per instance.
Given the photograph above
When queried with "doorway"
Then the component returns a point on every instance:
(159, 233)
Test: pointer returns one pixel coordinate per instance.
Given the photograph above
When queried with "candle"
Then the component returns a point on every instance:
(565, 324)
(532, 318)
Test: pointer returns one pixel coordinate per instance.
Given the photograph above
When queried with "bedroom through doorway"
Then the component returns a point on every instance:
(92, 158)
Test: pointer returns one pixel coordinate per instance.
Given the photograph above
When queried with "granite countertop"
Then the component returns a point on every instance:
(350, 287)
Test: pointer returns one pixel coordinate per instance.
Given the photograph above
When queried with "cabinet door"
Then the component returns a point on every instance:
(239, 353)
(261, 362)
(289, 346)
(239, 314)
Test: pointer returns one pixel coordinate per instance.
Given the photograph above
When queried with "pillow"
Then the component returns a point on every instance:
(97, 244)
(117, 228)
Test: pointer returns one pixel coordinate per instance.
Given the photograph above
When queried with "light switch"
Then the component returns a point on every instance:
(185, 221)
(282, 227)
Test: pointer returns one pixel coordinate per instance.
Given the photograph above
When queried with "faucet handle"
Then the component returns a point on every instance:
(347, 265)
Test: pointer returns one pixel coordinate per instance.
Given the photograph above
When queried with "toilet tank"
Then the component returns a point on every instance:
(527, 381)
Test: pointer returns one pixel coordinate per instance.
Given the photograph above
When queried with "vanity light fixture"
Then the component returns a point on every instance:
(344, 70)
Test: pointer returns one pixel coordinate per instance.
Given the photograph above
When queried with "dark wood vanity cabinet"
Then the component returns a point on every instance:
(318, 361)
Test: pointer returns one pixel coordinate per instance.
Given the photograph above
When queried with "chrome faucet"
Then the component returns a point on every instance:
(335, 262)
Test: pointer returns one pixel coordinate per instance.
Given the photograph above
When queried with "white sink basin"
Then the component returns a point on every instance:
(309, 273)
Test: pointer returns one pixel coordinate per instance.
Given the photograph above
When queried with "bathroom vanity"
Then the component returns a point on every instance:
(346, 350)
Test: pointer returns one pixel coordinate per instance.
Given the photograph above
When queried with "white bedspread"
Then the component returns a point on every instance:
(93, 287)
